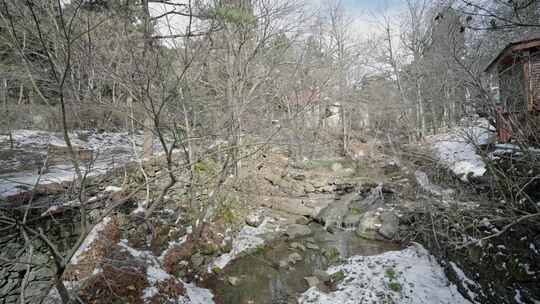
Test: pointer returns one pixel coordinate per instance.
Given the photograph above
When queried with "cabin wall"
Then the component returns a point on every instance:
(535, 80)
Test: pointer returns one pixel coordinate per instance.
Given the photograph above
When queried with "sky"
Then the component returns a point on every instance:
(371, 5)
(360, 12)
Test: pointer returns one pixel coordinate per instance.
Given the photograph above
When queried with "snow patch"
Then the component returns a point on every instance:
(247, 239)
(409, 276)
(113, 189)
(197, 295)
(90, 239)
(457, 149)
(465, 281)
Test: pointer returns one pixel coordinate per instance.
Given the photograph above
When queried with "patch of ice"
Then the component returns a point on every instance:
(90, 238)
(409, 276)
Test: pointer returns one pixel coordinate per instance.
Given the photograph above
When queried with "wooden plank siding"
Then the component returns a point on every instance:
(535, 81)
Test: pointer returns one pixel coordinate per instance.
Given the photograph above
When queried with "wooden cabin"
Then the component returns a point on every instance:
(517, 70)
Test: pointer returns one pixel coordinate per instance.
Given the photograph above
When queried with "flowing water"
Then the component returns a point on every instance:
(262, 280)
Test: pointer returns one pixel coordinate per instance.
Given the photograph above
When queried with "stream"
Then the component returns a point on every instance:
(269, 276)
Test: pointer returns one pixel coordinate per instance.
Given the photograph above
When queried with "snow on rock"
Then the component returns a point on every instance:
(113, 189)
(409, 276)
(197, 295)
(247, 239)
(465, 281)
(112, 150)
(457, 149)
(90, 239)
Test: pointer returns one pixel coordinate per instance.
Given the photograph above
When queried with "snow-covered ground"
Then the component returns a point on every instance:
(457, 149)
(111, 149)
(409, 276)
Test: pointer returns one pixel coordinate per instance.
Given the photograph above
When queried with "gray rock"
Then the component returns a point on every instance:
(254, 219)
(312, 246)
(296, 230)
(294, 258)
(234, 281)
(298, 176)
(368, 226)
(332, 216)
(283, 263)
(352, 220)
(312, 281)
(322, 275)
(378, 225)
(297, 246)
(302, 220)
(308, 188)
(337, 167)
(425, 184)
(390, 225)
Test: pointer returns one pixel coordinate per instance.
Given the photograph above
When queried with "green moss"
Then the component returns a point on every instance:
(395, 286)
(205, 167)
(390, 273)
(332, 254)
(338, 277)
(356, 211)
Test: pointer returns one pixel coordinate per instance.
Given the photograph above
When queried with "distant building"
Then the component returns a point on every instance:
(517, 70)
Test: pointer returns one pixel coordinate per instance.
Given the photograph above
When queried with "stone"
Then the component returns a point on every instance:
(303, 220)
(322, 275)
(352, 220)
(283, 263)
(297, 246)
(308, 188)
(294, 258)
(298, 176)
(234, 281)
(390, 167)
(312, 281)
(296, 230)
(390, 225)
(333, 214)
(312, 246)
(9, 286)
(254, 220)
(368, 226)
(427, 186)
(336, 167)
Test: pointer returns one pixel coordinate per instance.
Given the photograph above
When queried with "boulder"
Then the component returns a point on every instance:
(294, 258)
(390, 225)
(377, 225)
(254, 219)
(234, 281)
(352, 220)
(297, 246)
(312, 281)
(294, 231)
(322, 275)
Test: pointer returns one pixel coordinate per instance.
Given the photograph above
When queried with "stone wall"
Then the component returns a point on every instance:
(62, 230)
